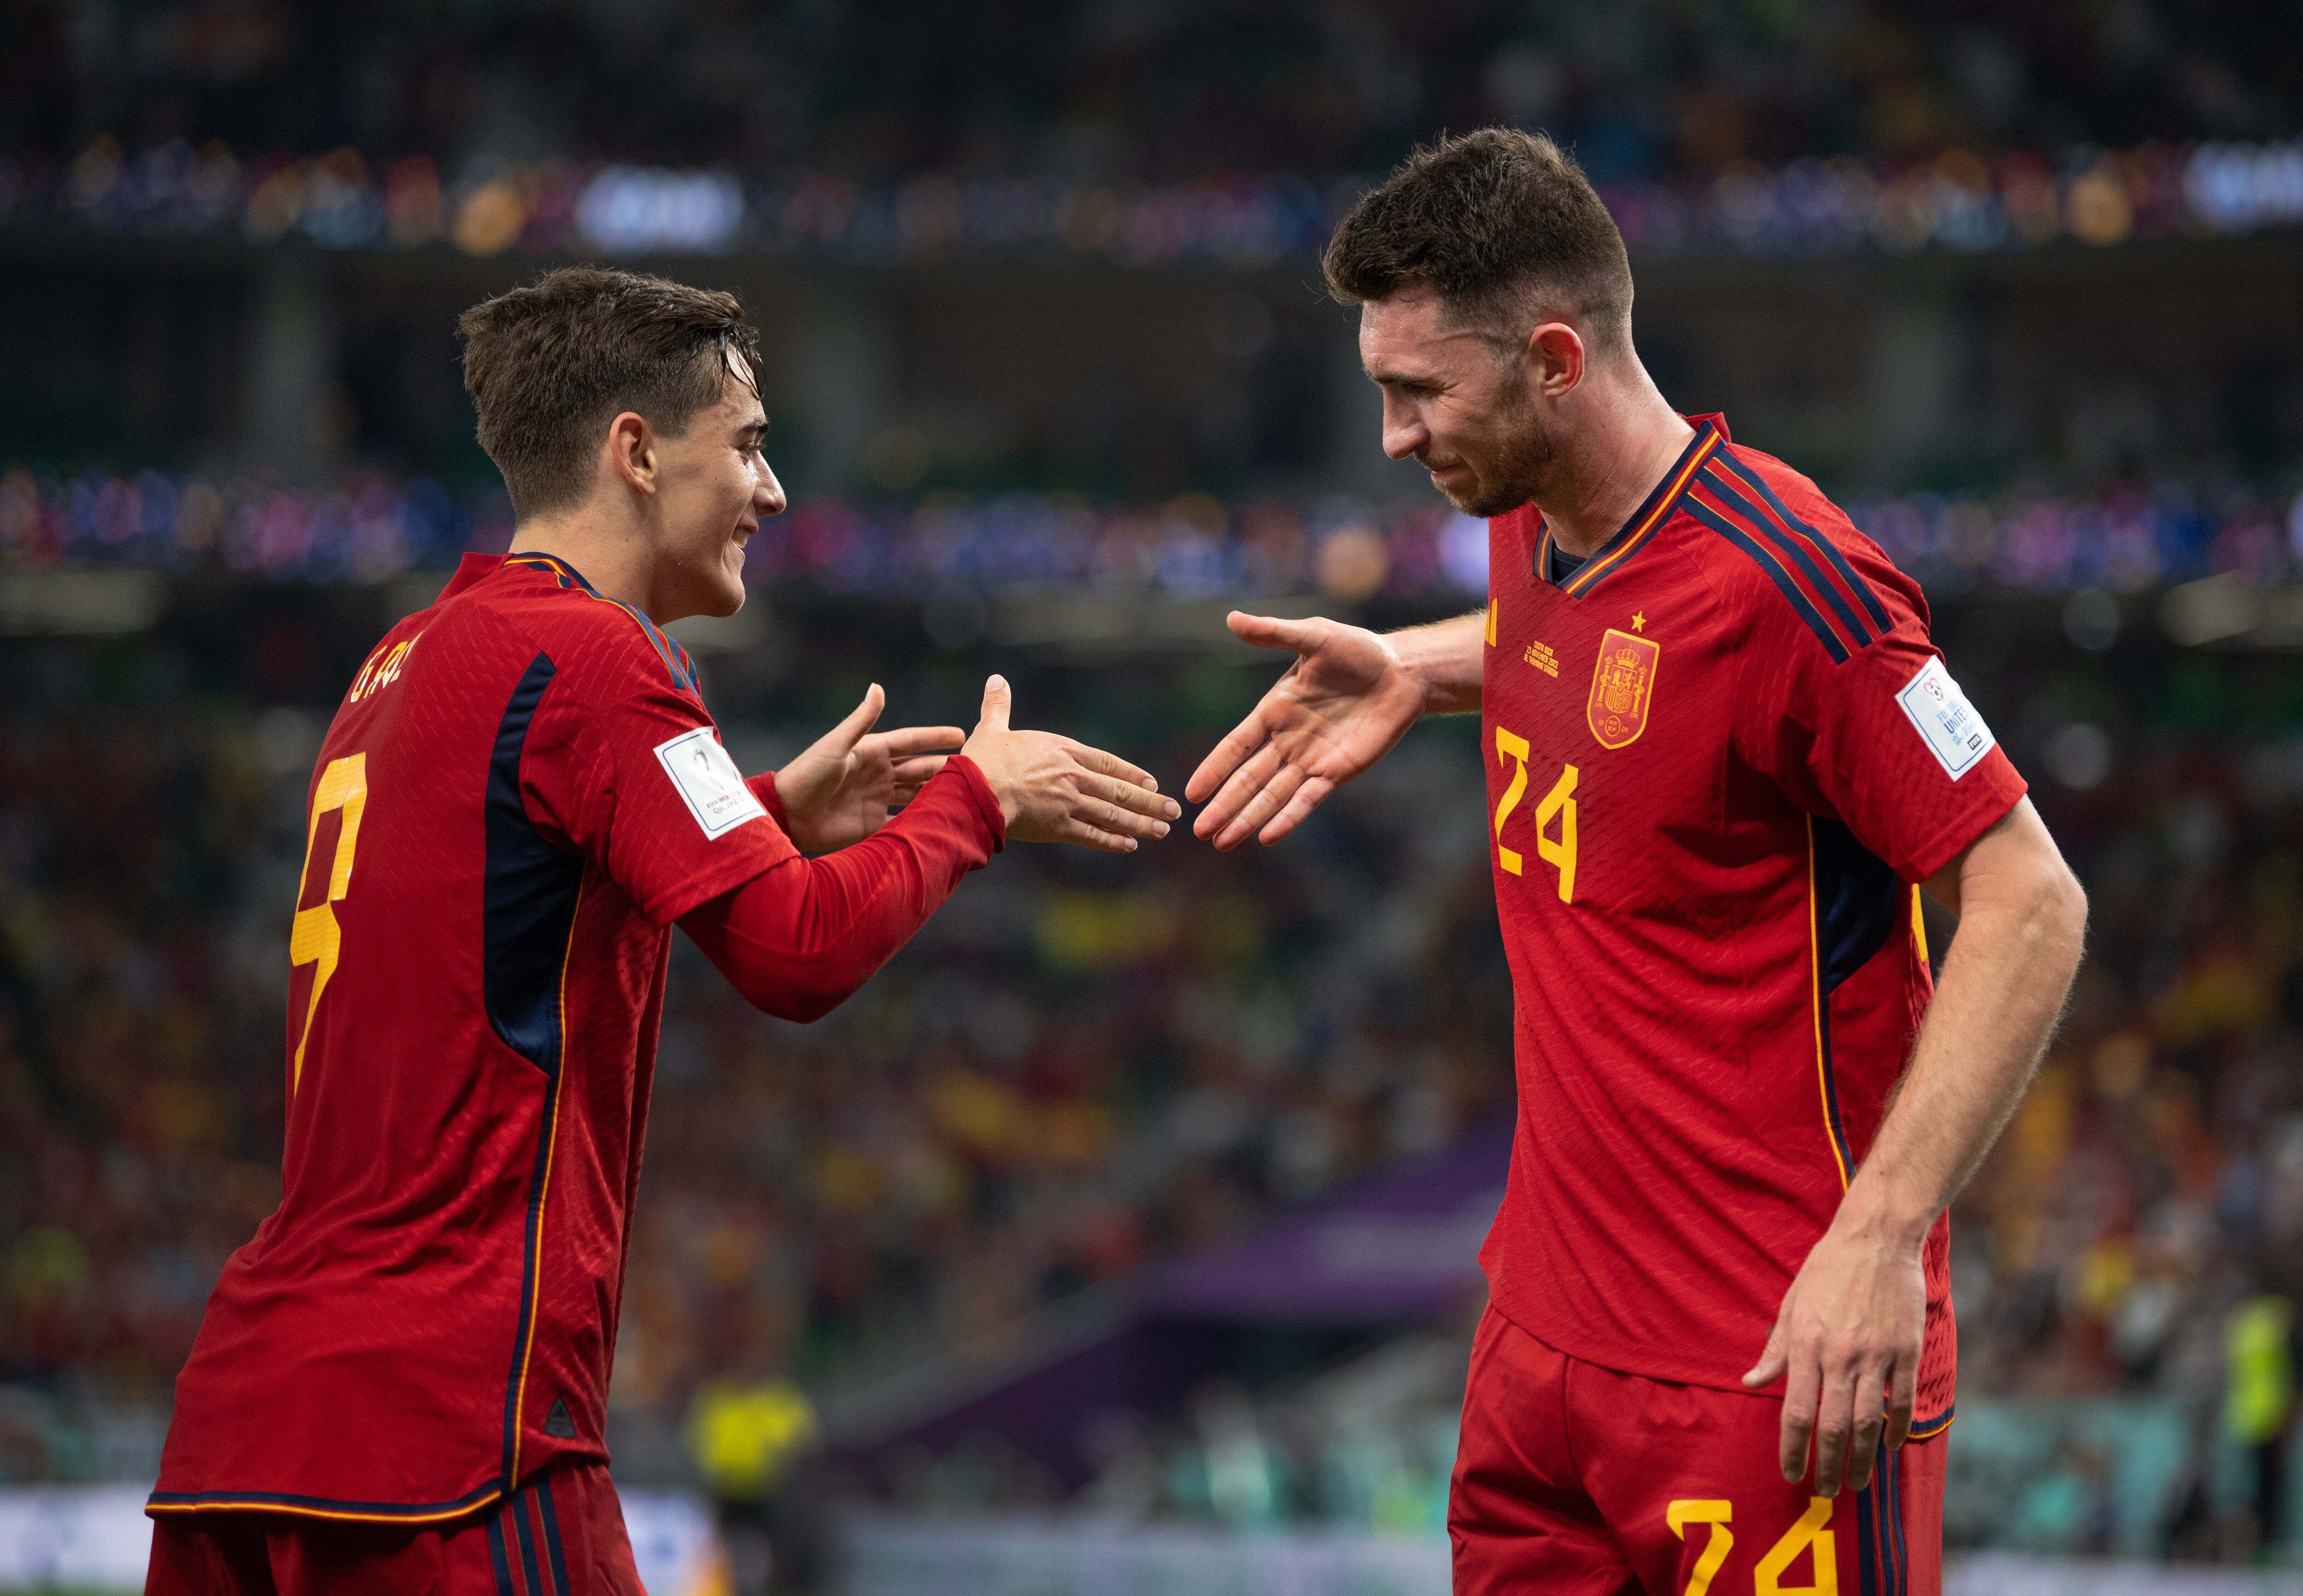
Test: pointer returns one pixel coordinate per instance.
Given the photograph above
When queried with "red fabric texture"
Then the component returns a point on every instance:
(1567, 1473)
(797, 940)
(1713, 1012)
(561, 1535)
(429, 1318)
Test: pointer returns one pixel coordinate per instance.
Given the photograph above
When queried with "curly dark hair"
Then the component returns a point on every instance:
(1500, 224)
(550, 364)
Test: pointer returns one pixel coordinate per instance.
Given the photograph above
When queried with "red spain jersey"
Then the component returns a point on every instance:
(1721, 752)
(519, 793)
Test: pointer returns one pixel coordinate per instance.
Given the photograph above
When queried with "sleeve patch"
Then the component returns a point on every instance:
(1943, 719)
(708, 782)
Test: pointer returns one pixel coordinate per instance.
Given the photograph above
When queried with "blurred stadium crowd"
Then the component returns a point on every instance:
(1141, 132)
(1155, 90)
(488, 206)
(2125, 536)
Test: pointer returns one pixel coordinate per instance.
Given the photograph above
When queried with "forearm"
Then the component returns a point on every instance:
(799, 939)
(1447, 658)
(1995, 1010)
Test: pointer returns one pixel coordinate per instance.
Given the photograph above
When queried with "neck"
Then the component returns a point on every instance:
(613, 560)
(1632, 438)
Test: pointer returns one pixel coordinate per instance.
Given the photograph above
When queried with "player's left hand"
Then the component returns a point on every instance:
(1846, 1344)
(840, 790)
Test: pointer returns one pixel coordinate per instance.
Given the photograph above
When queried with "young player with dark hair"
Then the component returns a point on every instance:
(1723, 759)
(400, 1383)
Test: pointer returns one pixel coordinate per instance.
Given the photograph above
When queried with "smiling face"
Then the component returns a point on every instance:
(712, 485)
(1461, 403)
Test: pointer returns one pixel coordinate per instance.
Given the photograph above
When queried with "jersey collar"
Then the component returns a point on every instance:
(1710, 436)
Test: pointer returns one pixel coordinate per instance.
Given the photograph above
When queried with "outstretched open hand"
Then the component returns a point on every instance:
(1339, 708)
(840, 791)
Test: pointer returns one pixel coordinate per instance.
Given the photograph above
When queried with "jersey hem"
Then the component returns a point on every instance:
(319, 1507)
(1932, 1427)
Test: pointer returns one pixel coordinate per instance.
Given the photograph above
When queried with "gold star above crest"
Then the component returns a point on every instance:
(1640, 622)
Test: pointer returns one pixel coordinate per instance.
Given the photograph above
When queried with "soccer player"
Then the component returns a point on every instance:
(1723, 758)
(400, 1383)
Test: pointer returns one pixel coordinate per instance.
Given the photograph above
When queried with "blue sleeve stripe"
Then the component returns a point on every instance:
(1756, 522)
(1832, 550)
(1775, 572)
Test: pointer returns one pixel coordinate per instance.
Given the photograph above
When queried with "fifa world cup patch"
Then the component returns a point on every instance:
(1946, 721)
(708, 781)
(1623, 688)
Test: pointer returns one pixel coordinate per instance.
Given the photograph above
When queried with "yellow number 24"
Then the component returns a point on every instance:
(1808, 1536)
(1557, 805)
(314, 938)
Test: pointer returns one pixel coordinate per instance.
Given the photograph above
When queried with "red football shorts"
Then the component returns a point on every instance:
(1578, 1481)
(562, 1535)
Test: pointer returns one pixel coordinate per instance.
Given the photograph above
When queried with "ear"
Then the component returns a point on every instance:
(631, 449)
(1556, 358)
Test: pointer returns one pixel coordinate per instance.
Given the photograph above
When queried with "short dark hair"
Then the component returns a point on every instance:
(550, 364)
(1489, 221)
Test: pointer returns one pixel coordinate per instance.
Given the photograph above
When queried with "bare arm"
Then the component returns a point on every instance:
(1848, 1336)
(1348, 698)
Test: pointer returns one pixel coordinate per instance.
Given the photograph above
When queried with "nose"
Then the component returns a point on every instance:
(767, 493)
(1403, 432)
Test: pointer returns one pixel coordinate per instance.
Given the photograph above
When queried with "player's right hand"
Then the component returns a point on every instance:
(1054, 790)
(1340, 708)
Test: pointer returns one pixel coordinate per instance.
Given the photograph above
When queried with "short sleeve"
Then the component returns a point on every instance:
(1857, 717)
(626, 766)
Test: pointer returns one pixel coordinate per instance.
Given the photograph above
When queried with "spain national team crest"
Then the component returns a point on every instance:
(1623, 686)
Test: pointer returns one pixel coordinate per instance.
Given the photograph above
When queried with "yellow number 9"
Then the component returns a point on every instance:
(315, 936)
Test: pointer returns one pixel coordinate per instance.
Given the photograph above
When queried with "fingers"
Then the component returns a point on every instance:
(1270, 632)
(1834, 1429)
(1774, 1360)
(1902, 1394)
(1299, 808)
(998, 701)
(1113, 815)
(1082, 835)
(1216, 821)
(1224, 757)
(1268, 802)
(860, 719)
(1870, 1415)
(910, 740)
(1802, 1397)
(1137, 800)
(1111, 764)
(913, 774)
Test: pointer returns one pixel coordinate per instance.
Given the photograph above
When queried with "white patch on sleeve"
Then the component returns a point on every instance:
(1946, 721)
(708, 781)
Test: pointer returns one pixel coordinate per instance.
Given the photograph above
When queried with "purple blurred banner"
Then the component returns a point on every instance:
(1402, 1245)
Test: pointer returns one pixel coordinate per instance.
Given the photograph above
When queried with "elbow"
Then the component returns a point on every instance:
(2060, 911)
(803, 1002)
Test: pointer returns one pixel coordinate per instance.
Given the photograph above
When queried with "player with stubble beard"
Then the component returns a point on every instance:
(1723, 760)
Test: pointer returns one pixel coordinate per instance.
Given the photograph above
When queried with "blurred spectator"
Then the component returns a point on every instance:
(748, 1440)
(2260, 1403)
